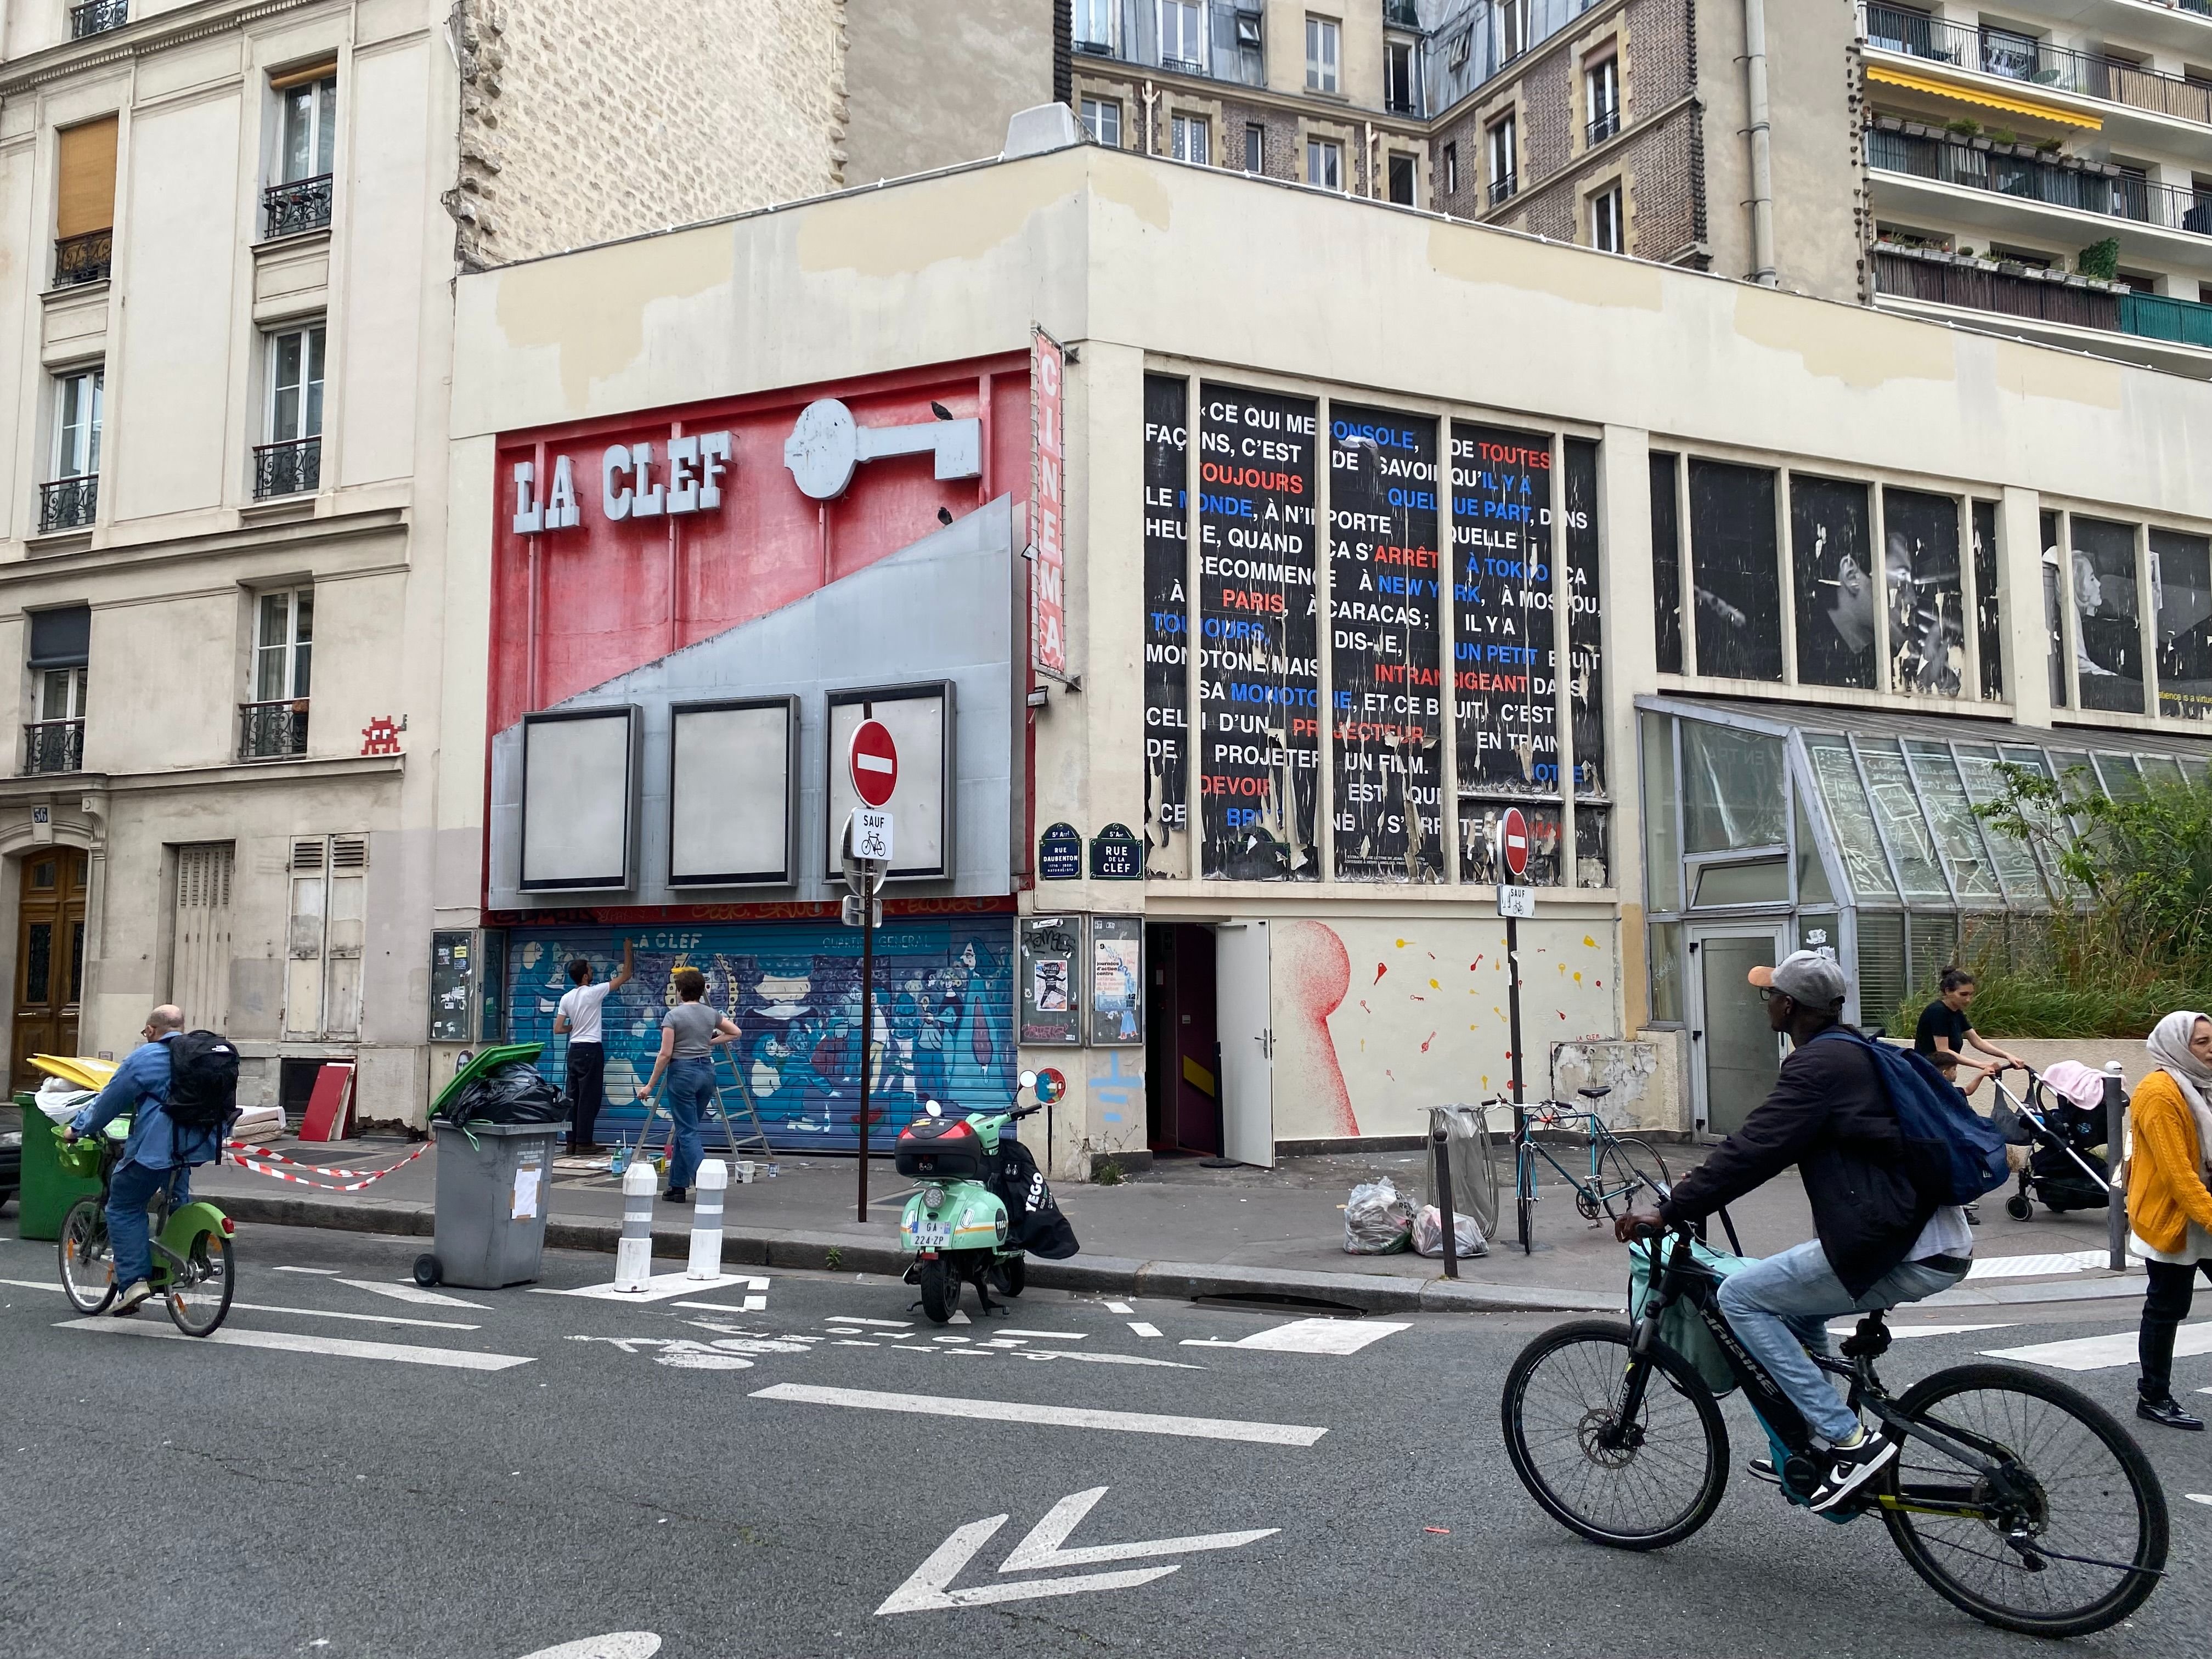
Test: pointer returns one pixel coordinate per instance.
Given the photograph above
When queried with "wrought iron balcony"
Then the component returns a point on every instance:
(68, 503)
(300, 204)
(2018, 57)
(2085, 189)
(53, 746)
(272, 730)
(1407, 13)
(287, 468)
(1502, 188)
(86, 258)
(97, 17)
(1604, 125)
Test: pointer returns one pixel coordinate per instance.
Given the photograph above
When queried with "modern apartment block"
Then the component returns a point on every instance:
(231, 233)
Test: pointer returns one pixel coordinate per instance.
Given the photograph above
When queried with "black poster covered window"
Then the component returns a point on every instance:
(1735, 579)
(1386, 723)
(1989, 621)
(1666, 563)
(1258, 686)
(1832, 564)
(1585, 623)
(2181, 570)
(2054, 590)
(1167, 622)
(1927, 595)
(2107, 615)
(1506, 700)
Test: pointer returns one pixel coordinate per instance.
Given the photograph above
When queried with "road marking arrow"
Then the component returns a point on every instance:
(1042, 1548)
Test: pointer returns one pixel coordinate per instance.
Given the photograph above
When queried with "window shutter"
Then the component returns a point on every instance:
(199, 976)
(308, 854)
(87, 195)
(61, 639)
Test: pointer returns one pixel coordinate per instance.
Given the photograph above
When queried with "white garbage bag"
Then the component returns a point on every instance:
(1377, 1218)
(1428, 1233)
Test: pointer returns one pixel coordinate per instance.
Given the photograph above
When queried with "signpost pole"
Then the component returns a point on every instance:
(868, 1018)
(1513, 1007)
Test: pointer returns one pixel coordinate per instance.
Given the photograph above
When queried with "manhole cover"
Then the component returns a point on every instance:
(1267, 1301)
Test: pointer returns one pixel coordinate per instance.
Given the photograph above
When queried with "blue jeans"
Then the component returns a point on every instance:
(130, 1190)
(690, 1087)
(1780, 1307)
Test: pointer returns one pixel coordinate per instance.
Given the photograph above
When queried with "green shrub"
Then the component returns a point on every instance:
(2101, 260)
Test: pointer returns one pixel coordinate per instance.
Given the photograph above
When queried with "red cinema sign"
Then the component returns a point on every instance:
(1513, 843)
(873, 762)
(1047, 502)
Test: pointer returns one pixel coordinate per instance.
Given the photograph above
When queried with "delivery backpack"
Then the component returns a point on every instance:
(203, 1080)
(1956, 1154)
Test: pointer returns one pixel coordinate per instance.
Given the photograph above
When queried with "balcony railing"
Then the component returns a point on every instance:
(2037, 63)
(68, 503)
(1407, 13)
(86, 258)
(1953, 282)
(1502, 188)
(272, 730)
(1606, 121)
(1230, 50)
(2085, 188)
(300, 204)
(2159, 317)
(97, 17)
(287, 468)
(53, 746)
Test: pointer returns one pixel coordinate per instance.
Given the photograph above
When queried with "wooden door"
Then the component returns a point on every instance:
(49, 960)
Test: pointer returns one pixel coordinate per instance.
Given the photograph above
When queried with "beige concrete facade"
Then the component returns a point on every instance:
(905, 58)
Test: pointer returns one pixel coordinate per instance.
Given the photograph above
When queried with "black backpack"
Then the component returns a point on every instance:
(203, 1080)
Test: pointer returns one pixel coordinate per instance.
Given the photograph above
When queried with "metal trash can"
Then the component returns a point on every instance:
(494, 1181)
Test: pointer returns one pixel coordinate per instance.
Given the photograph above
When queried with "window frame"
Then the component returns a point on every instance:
(1612, 197)
(1193, 9)
(1602, 93)
(1183, 126)
(1397, 49)
(1324, 54)
(1109, 110)
(1256, 148)
(1088, 10)
(1333, 149)
(74, 687)
(321, 101)
(295, 654)
(1451, 167)
(65, 383)
(1501, 143)
(314, 338)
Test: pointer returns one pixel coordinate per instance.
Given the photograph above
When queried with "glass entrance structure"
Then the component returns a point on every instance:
(1853, 831)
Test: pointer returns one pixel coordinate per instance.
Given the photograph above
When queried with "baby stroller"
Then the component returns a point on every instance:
(2061, 1117)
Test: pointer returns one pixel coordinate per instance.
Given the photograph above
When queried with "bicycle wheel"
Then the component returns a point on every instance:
(200, 1296)
(87, 1262)
(1651, 1485)
(2092, 1512)
(1630, 1172)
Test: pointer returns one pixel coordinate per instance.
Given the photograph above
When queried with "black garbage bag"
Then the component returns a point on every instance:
(1034, 1221)
(513, 1093)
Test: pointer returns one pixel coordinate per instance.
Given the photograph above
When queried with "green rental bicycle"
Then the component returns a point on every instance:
(190, 1246)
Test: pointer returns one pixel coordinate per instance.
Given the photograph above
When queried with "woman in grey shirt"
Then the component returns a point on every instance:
(689, 1032)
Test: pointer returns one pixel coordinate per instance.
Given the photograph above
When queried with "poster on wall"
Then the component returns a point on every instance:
(1258, 682)
(1834, 582)
(579, 790)
(1989, 621)
(1927, 593)
(1117, 981)
(1506, 696)
(2181, 576)
(1167, 631)
(2107, 615)
(452, 971)
(1734, 596)
(1052, 965)
(1385, 719)
(1585, 625)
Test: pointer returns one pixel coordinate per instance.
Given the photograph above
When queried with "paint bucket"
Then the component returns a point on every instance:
(745, 1172)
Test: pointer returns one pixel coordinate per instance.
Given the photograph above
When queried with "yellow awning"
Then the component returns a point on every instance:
(2041, 112)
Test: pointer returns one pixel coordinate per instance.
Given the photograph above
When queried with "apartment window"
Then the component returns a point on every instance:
(1451, 169)
(1190, 139)
(1183, 36)
(1256, 148)
(1608, 232)
(69, 500)
(306, 139)
(1512, 25)
(84, 205)
(1094, 24)
(1503, 152)
(290, 462)
(273, 724)
(97, 17)
(329, 878)
(2011, 54)
(1102, 119)
(1400, 177)
(1325, 163)
(1323, 37)
(1601, 89)
(61, 644)
(1401, 84)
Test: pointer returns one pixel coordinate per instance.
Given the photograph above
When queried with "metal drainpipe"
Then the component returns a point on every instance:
(1150, 94)
(1762, 159)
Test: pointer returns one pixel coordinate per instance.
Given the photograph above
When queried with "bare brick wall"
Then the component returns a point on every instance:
(584, 120)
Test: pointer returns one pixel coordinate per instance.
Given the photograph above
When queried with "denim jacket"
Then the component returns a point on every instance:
(155, 1142)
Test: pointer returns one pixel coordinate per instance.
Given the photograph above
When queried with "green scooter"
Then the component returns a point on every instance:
(956, 1226)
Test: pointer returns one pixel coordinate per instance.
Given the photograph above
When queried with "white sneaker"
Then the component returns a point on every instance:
(134, 1296)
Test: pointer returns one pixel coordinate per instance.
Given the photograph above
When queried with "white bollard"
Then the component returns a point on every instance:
(634, 1254)
(707, 1219)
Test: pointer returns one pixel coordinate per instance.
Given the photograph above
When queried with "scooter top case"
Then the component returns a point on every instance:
(942, 1148)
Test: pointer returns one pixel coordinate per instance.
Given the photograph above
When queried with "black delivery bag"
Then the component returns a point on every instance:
(513, 1093)
(1034, 1221)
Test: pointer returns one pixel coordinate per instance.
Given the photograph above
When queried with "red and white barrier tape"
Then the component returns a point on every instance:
(259, 1163)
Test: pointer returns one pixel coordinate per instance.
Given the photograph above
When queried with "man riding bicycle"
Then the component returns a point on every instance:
(158, 1155)
(1880, 1241)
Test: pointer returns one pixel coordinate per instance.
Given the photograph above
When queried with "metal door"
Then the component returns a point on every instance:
(1246, 1083)
(1734, 1053)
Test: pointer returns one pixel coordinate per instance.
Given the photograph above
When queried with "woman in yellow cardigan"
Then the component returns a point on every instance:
(2169, 1207)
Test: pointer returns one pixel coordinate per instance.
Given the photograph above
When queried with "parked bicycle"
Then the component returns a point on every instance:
(2016, 1497)
(1621, 1166)
(191, 1248)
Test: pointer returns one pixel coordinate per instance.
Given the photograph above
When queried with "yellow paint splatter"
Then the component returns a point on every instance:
(1578, 979)
(1402, 944)
(1587, 940)
(1433, 986)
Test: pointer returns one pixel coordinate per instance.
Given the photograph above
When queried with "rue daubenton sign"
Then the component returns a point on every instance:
(1060, 854)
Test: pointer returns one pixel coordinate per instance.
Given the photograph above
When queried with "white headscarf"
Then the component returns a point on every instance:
(2168, 1043)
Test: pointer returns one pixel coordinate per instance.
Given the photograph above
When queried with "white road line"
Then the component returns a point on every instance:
(33, 1284)
(1120, 1308)
(959, 1318)
(751, 1304)
(2097, 1353)
(1065, 1417)
(404, 1292)
(888, 1324)
(2198, 1497)
(1103, 1359)
(1331, 1336)
(338, 1347)
(1143, 1329)
(1848, 1327)
(309, 1313)
(305, 1270)
(1057, 1336)
(660, 1287)
(2028, 1266)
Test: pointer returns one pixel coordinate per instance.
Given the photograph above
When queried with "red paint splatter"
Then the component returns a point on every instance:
(1364, 1008)
(1432, 956)
(1441, 1532)
(1417, 996)
(1563, 1014)
(1476, 963)
(1381, 969)
(1427, 1040)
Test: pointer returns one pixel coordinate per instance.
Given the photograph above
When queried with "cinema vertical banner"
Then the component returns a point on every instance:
(1386, 698)
(1048, 502)
(1258, 682)
(1167, 625)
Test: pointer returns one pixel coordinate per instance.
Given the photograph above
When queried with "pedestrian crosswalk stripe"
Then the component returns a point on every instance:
(1330, 1336)
(1066, 1417)
(402, 1292)
(1849, 1328)
(308, 1313)
(2096, 1353)
(338, 1347)
(659, 1288)
(2030, 1267)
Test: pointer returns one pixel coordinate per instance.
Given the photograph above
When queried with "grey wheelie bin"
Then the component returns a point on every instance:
(493, 1181)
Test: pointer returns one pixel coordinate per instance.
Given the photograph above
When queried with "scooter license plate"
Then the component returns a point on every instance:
(932, 1235)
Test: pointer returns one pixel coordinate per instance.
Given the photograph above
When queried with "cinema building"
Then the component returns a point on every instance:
(1228, 557)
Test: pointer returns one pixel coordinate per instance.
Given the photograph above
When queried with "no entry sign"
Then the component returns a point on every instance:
(1512, 842)
(874, 762)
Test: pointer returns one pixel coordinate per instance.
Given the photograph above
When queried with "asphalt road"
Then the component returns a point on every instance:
(620, 1470)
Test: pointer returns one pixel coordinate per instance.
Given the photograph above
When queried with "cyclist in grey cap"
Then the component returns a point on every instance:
(1880, 1241)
